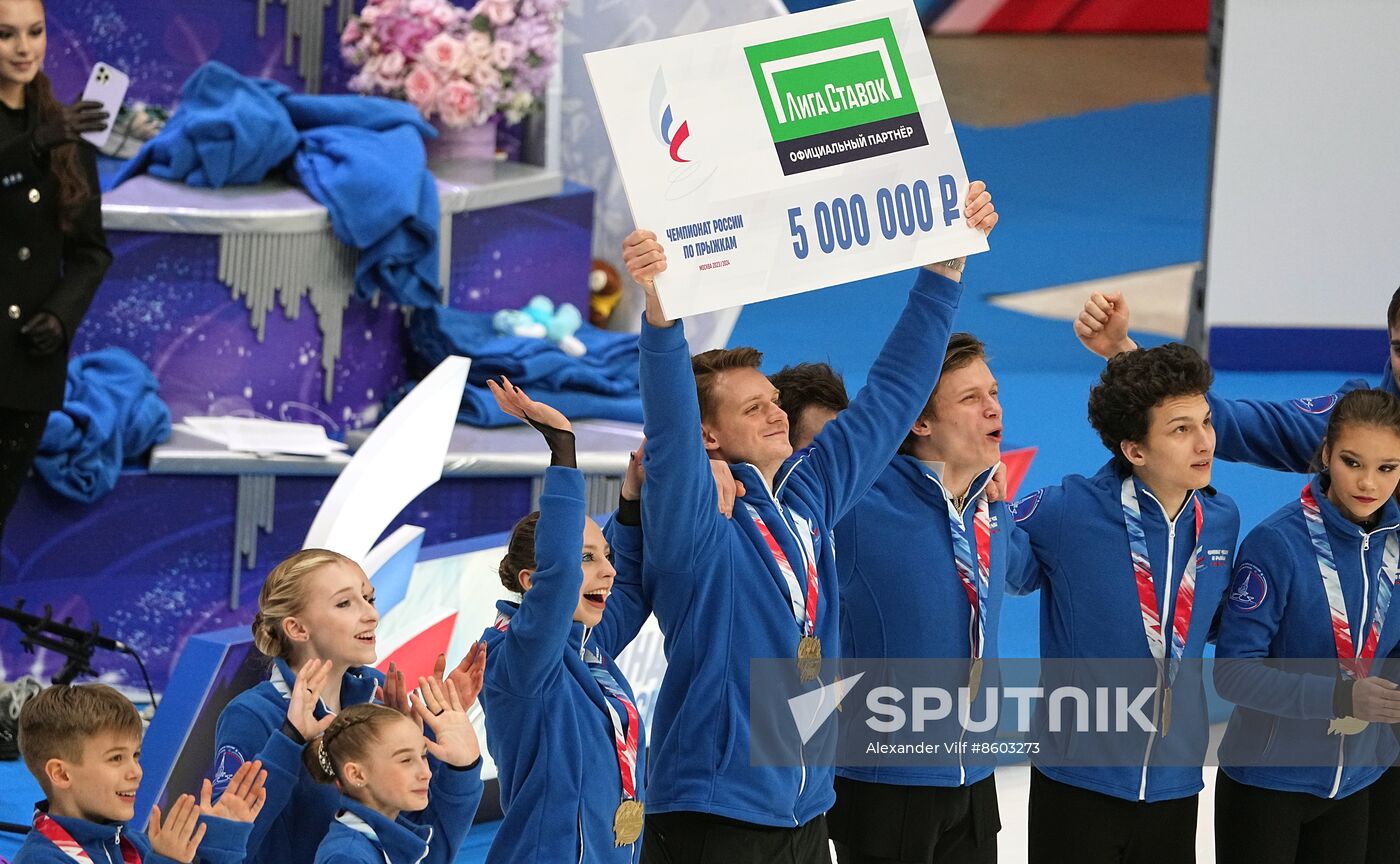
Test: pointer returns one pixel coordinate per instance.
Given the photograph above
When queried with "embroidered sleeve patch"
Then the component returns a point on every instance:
(1315, 405)
(226, 763)
(1024, 508)
(1249, 589)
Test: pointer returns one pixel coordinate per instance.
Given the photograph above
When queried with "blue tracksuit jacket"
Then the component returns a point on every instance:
(298, 811)
(901, 596)
(1089, 609)
(361, 835)
(713, 583)
(1278, 608)
(547, 724)
(223, 842)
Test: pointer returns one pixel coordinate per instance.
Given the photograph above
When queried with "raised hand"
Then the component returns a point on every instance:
(440, 706)
(70, 122)
(644, 258)
(978, 209)
(394, 691)
(517, 404)
(306, 693)
(635, 475)
(1102, 325)
(177, 837)
(243, 798)
(470, 674)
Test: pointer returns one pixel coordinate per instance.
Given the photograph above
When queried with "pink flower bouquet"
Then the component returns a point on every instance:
(462, 66)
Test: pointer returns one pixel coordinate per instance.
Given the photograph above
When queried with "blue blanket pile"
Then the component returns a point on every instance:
(600, 384)
(362, 157)
(111, 413)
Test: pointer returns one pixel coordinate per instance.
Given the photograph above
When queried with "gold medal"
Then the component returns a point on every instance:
(974, 679)
(1166, 710)
(809, 658)
(627, 822)
(1346, 726)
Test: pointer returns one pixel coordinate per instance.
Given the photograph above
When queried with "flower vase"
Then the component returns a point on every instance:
(466, 144)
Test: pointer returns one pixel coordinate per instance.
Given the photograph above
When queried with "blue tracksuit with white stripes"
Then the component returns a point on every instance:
(1089, 608)
(1277, 608)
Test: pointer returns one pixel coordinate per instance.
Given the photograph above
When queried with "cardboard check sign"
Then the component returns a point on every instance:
(786, 155)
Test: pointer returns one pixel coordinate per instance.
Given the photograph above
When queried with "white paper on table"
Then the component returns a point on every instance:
(262, 436)
(728, 151)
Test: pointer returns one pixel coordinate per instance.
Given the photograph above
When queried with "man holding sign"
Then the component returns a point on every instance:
(763, 584)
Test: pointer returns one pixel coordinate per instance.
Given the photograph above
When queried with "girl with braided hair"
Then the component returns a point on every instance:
(316, 624)
(398, 806)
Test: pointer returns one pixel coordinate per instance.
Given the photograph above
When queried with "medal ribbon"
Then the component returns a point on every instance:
(1354, 664)
(1147, 595)
(56, 834)
(804, 613)
(625, 740)
(974, 584)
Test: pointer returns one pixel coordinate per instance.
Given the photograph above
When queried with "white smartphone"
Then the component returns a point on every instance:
(107, 85)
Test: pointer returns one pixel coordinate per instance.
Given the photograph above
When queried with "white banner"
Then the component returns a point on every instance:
(786, 155)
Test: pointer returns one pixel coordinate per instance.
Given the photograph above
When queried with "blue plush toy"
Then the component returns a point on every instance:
(541, 320)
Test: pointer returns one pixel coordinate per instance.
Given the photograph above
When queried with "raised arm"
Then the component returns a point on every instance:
(1283, 436)
(852, 450)
(679, 505)
(534, 643)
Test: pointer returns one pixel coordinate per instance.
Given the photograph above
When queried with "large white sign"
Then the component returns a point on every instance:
(786, 155)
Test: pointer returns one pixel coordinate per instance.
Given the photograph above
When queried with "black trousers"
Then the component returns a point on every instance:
(1384, 813)
(702, 838)
(1069, 825)
(881, 823)
(1266, 826)
(20, 432)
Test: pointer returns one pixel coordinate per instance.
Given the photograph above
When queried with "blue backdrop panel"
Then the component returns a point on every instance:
(151, 563)
(159, 43)
(503, 256)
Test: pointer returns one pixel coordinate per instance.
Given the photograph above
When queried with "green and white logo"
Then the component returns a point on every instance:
(823, 90)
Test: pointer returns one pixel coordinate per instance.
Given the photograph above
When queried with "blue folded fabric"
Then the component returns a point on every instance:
(361, 157)
(229, 130)
(363, 112)
(609, 368)
(344, 167)
(479, 407)
(111, 413)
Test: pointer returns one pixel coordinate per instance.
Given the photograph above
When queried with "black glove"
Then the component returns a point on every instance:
(72, 121)
(561, 444)
(44, 332)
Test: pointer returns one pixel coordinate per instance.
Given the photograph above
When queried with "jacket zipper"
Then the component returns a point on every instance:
(971, 496)
(1166, 628)
(802, 552)
(1365, 619)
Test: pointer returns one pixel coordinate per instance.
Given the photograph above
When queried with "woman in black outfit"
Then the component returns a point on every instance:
(52, 249)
